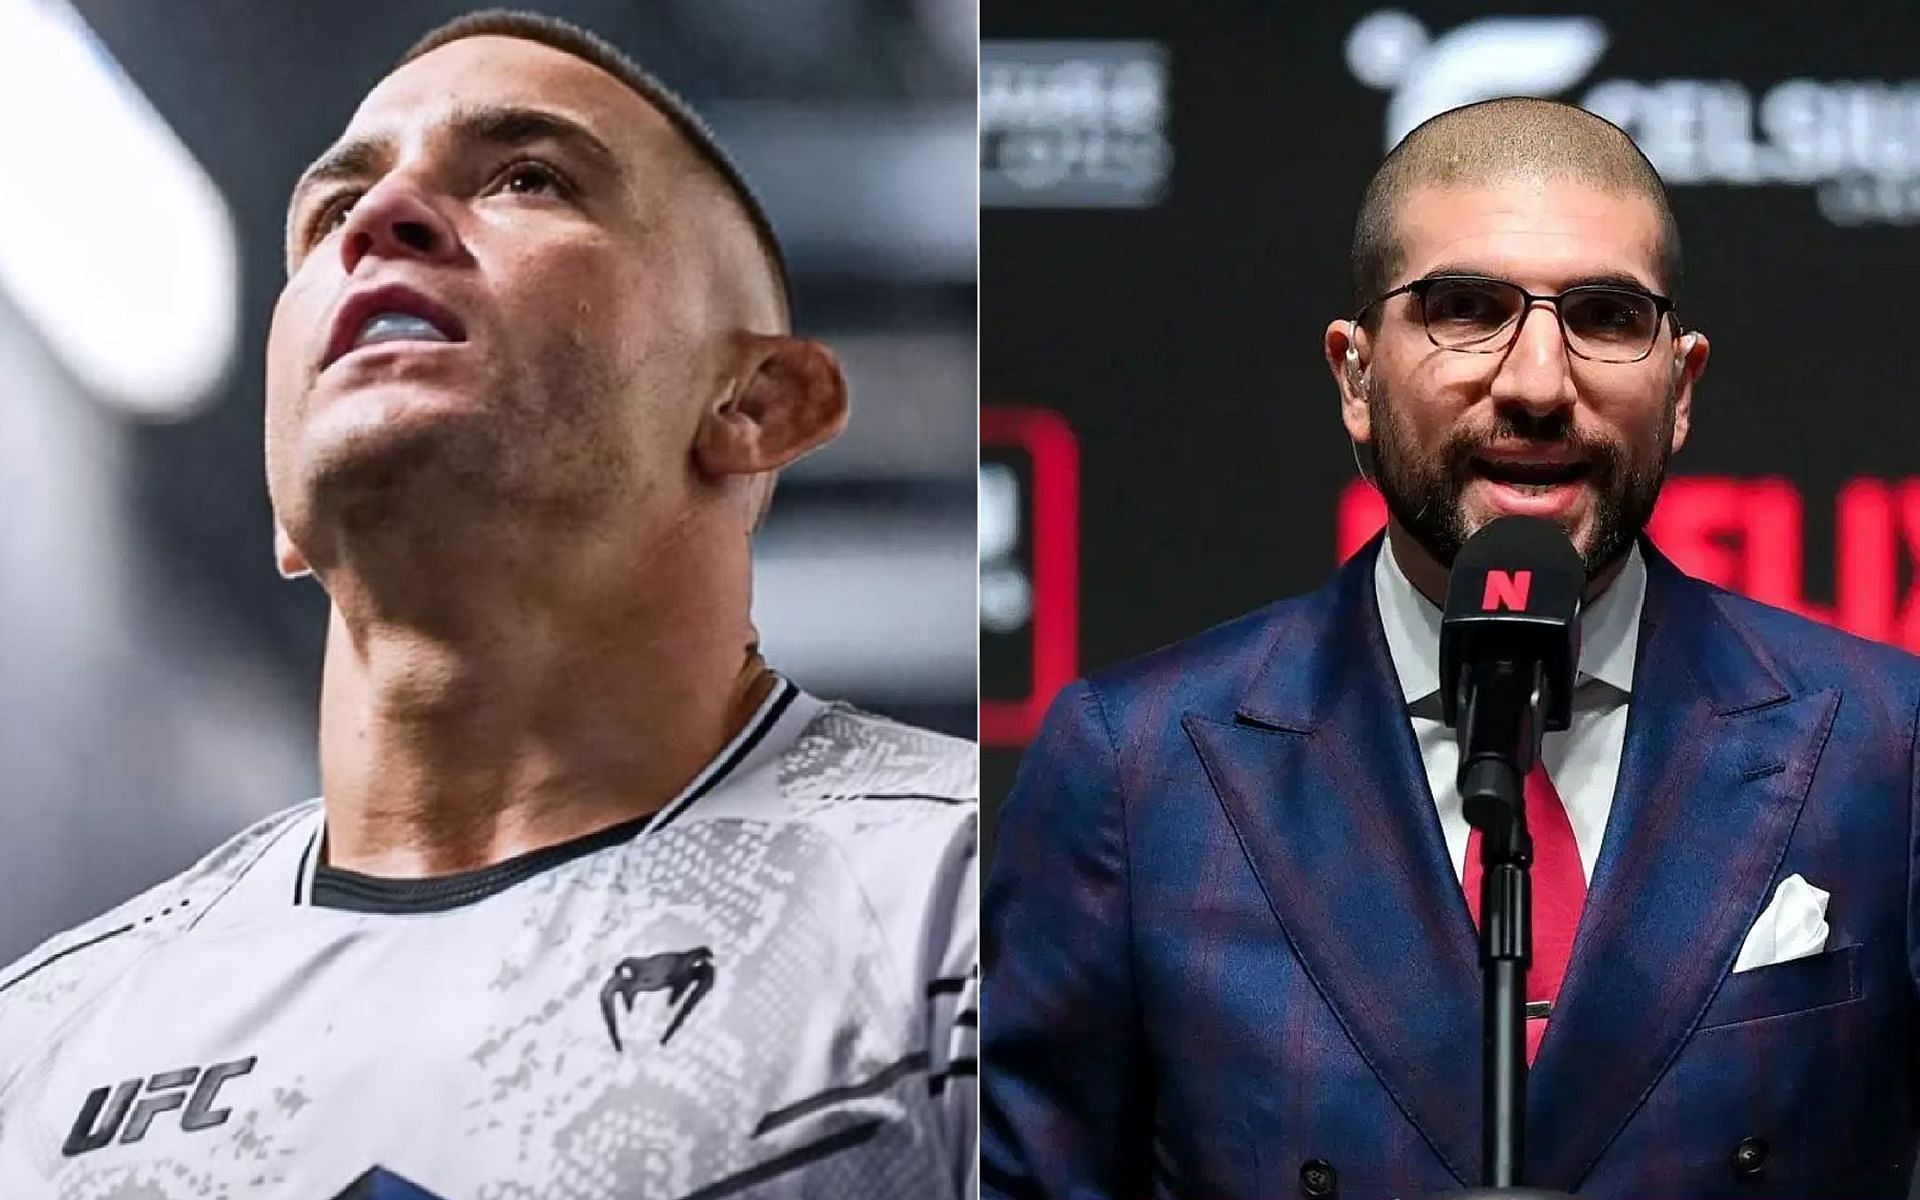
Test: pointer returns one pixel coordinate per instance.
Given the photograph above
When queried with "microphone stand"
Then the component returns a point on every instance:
(1497, 752)
(1506, 951)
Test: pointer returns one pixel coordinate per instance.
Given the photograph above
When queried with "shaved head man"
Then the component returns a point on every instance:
(1471, 193)
(596, 903)
(1237, 875)
(528, 346)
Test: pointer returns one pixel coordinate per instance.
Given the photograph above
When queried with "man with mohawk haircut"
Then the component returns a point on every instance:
(595, 904)
(1236, 876)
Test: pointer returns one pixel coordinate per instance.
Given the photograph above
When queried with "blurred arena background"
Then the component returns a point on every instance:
(1168, 197)
(157, 678)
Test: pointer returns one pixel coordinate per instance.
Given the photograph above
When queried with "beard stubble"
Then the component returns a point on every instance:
(1423, 490)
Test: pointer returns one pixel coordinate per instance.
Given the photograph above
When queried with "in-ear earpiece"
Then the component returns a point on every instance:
(1686, 348)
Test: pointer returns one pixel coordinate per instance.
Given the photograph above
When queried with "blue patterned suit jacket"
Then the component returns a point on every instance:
(1225, 938)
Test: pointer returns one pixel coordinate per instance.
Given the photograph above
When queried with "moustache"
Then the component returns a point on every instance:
(1463, 446)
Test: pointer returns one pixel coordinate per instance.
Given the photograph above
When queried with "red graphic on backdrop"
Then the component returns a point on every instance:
(1749, 535)
(1054, 541)
(1508, 590)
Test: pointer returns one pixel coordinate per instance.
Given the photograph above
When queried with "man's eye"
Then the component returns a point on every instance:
(531, 179)
(331, 215)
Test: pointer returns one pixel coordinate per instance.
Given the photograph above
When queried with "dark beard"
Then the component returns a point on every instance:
(1423, 495)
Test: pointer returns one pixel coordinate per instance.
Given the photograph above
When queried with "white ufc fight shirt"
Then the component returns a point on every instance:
(767, 989)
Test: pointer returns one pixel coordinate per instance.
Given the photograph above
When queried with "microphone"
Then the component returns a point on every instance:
(1509, 640)
(1509, 643)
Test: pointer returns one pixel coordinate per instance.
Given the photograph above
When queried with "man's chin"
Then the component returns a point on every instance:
(1585, 530)
(396, 444)
(1441, 527)
(375, 412)
(358, 402)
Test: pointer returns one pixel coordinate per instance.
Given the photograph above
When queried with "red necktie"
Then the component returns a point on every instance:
(1559, 890)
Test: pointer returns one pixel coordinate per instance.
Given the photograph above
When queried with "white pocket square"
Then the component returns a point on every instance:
(1793, 926)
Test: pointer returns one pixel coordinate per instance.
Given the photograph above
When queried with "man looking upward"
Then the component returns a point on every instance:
(595, 904)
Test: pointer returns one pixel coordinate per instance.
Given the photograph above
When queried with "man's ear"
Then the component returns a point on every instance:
(790, 399)
(287, 557)
(1346, 353)
(1690, 359)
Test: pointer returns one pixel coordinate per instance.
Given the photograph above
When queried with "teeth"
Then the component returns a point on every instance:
(397, 327)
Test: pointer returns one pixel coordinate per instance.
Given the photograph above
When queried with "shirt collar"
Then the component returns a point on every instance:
(1609, 628)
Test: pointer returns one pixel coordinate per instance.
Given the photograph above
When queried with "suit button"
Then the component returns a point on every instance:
(1749, 1157)
(1317, 1178)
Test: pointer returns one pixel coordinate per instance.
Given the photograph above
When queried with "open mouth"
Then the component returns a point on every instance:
(1530, 476)
(394, 313)
(398, 327)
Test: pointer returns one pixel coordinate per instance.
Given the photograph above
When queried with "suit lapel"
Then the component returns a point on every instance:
(1718, 759)
(1322, 783)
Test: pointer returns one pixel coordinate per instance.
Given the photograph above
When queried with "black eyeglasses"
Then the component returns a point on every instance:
(1469, 313)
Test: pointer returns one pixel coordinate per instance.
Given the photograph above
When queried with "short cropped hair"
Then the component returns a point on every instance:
(1512, 137)
(590, 47)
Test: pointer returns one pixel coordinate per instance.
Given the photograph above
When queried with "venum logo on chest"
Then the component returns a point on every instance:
(686, 976)
(130, 1109)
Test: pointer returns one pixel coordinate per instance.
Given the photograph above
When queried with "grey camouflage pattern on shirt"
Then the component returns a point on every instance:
(830, 878)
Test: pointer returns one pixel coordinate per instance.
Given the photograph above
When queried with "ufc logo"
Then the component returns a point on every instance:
(163, 1093)
(1508, 590)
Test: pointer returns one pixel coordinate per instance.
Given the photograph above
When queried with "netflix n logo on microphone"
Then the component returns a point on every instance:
(1752, 535)
(1507, 590)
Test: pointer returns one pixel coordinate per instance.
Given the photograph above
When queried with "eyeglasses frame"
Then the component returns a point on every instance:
(1662, 305)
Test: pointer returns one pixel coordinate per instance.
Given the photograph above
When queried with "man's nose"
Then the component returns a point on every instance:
(1533, 374)
(395, 219)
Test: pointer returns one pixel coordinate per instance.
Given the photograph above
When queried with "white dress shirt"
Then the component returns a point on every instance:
(1583, 761)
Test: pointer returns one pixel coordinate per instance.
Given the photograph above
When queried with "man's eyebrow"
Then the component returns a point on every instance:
(1612, 279)
(508, 126)
(353, 159)
(1621, 279)
(502, 126)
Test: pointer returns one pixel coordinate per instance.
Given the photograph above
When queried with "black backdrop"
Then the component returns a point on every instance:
(1152, 373)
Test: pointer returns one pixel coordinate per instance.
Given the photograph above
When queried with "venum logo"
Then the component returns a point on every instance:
(1856, 142)
(685, 975)
(101, 1118)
